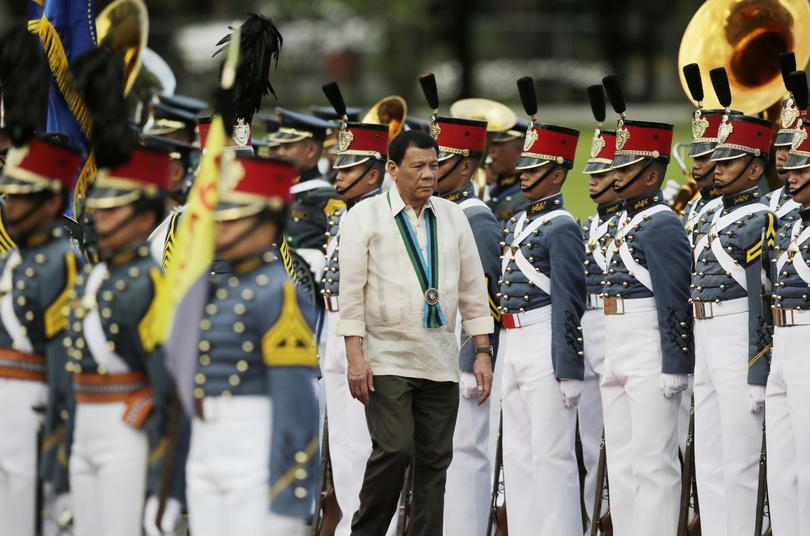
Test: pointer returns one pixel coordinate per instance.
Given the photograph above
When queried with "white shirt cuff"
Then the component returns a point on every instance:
(478, 326)
(350, 328)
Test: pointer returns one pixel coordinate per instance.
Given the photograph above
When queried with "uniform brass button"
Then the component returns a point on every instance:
(210, 309)
(198, 393)
(239, 327)
(262, 280)
(233, 281)
(133, 272)
(199, 378)
(221, 294)
(301, 457)
(242, 365)
(247, 294)
(204, 346)
(205, 360)
(239, 308)
(234, 380)
(247, 346)
(300, 492)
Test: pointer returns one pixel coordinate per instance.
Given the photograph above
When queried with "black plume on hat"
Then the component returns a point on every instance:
(99, 77)
(797, 81)
(787, 64)
(428, 83)
(721, 88)
(691, 73)
(528, 95)
(259, 46)
(332, 92)
(596, 94)
(613, 88)
(24, 79)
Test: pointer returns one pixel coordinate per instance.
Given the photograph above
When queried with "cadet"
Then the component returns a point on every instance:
(704, 139)
(173, 117)
(330, 144)
(314, 199)
(786, 404)
(35, 282)
(253, 459)
(731, 337)
(505, 196)
(596, 232)
(118, 374)
(542, 300)
(360, 166)
(648, 332)
(779, 201)
(469, 478)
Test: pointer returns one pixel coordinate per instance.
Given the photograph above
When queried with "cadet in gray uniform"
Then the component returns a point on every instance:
(505, 197)
(314, 198)
(787, 399)
(779, 201)
(731, 333)
(596, 231)
(120, 385)
(34, 288)
(648, 327)
(360, 165)
(469, 478)
(542, 300)
(254, 437)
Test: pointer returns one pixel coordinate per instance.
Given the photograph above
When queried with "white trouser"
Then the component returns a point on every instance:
(18, 454)
(349, 441)
(640, 429)
(787, 418)
(228, 471)
(590, 403)
(728, 437)
(469, 477)
(540, 465)
(107, 472)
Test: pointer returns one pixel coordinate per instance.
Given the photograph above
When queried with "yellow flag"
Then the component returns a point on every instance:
(195, 239)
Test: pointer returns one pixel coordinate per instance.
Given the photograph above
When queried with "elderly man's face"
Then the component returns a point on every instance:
(416, 176)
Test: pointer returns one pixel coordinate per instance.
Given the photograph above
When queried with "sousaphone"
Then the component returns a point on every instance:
(746, 37)
(123, 27)
(391, 111)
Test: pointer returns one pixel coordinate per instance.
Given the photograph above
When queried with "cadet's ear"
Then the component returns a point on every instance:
(558, 176)
(756, 169)
(653, 176)
(468, 166)
(373, 176)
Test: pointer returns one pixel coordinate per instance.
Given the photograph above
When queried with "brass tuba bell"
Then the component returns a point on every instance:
(391, 111)
(123, 27)
(746, 37)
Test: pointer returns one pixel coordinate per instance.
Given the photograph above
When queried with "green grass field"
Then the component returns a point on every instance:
(575, 190)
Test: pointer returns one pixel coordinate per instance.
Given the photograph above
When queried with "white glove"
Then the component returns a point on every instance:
(570, 391)
(672, 384)
(467, 386)
(756, 397)
(168, 523)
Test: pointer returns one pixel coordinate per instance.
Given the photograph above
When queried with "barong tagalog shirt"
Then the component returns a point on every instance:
(382, 299)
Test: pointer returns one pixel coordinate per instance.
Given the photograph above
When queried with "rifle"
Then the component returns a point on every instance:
(689, 483)
(601, 524)
(497, 515)
(762, 490)
(327, 511)
(406, 502)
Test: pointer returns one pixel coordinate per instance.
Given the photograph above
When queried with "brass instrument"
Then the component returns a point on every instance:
(391, 111)
(123, 26)
(680, 151)
(498, 116)
(746, 37)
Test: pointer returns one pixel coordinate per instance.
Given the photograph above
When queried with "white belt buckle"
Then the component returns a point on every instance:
(782, 317)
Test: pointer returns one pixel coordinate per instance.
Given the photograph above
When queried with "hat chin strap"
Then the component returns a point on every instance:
(39, 200)
(450, 171)
(740, 174)
(636, 177)
(357, 180)
(241, 236)
(602, 192)
(701, 177)
(799, 189)
(540, 179)
(123, 223)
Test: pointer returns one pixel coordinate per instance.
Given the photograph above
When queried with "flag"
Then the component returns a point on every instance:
(185, 292)
(67, 29)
